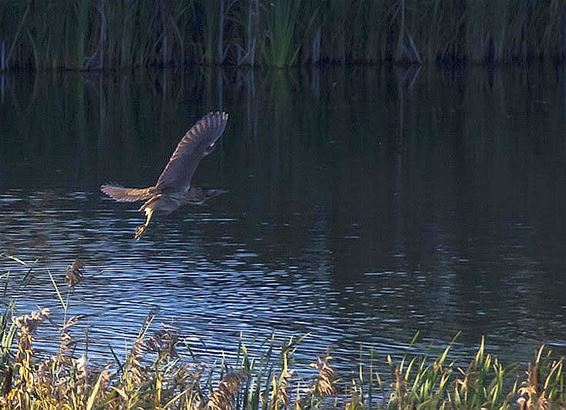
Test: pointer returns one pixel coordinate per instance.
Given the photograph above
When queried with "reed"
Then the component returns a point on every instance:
(282, 48)
(160, 372)
(100, 34)
(156, 376)
(212, 28)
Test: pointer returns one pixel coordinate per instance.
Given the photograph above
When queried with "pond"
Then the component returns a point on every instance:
(363, 205)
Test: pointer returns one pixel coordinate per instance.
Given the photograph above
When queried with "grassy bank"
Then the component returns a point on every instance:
(101, 34)
(160, 372)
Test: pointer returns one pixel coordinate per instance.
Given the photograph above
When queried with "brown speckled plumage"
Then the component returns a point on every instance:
(173, 187)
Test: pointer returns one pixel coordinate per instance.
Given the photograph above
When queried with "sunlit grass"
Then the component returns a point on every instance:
(160, 371)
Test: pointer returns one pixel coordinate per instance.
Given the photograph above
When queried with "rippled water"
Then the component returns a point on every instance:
(363, 205)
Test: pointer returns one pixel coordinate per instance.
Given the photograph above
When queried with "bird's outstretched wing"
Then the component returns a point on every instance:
(199, 196)
(122, 194)
(197, 143)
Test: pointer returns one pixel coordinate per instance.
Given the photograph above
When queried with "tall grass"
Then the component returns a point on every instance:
(102, 34)
(155, 375)
(282, 48)
(160, 372)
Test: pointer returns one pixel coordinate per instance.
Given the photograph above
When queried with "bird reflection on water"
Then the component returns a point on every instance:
(173, 188)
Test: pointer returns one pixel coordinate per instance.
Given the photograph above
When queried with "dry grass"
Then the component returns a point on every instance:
(153, 376)
(156, 375)
(74, 273)
(224, 395)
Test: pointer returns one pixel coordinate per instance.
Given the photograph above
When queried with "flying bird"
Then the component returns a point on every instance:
(173, 188)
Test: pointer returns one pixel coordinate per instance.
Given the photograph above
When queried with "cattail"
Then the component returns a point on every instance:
(74, 273)
(223, 396)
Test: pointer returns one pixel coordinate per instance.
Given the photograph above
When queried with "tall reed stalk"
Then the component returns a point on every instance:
(282, 47)
(102, 34)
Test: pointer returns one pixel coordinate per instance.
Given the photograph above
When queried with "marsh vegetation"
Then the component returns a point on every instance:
(160, 371)
(99, 34)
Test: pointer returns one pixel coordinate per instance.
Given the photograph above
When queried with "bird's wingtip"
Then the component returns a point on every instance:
(222, 114)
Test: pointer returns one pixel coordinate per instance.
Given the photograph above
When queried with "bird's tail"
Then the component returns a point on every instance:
(122, 194)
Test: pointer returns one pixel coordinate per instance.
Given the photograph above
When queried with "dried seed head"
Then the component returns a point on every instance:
(105, 377)
(44, 377)
(223, 396)
(282, 387)
(74, 273)
(133, 366)
(163, 341)
(324, 385)
(28, 323)
(81, 373)
(522, 402)
(65, 340)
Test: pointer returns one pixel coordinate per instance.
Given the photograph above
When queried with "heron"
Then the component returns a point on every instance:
(173, 188)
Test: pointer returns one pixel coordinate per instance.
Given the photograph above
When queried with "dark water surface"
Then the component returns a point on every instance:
(363, 205)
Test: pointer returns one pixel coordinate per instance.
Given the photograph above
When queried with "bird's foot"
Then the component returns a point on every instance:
(140, 230)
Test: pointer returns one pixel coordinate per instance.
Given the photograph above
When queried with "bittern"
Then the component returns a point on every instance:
(173, 188)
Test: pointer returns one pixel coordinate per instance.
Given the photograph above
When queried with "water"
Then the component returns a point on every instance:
(363, 205)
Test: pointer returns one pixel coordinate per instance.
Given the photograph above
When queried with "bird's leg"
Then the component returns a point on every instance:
(140, 230)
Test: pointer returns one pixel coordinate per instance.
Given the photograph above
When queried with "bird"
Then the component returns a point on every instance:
(173, 188)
